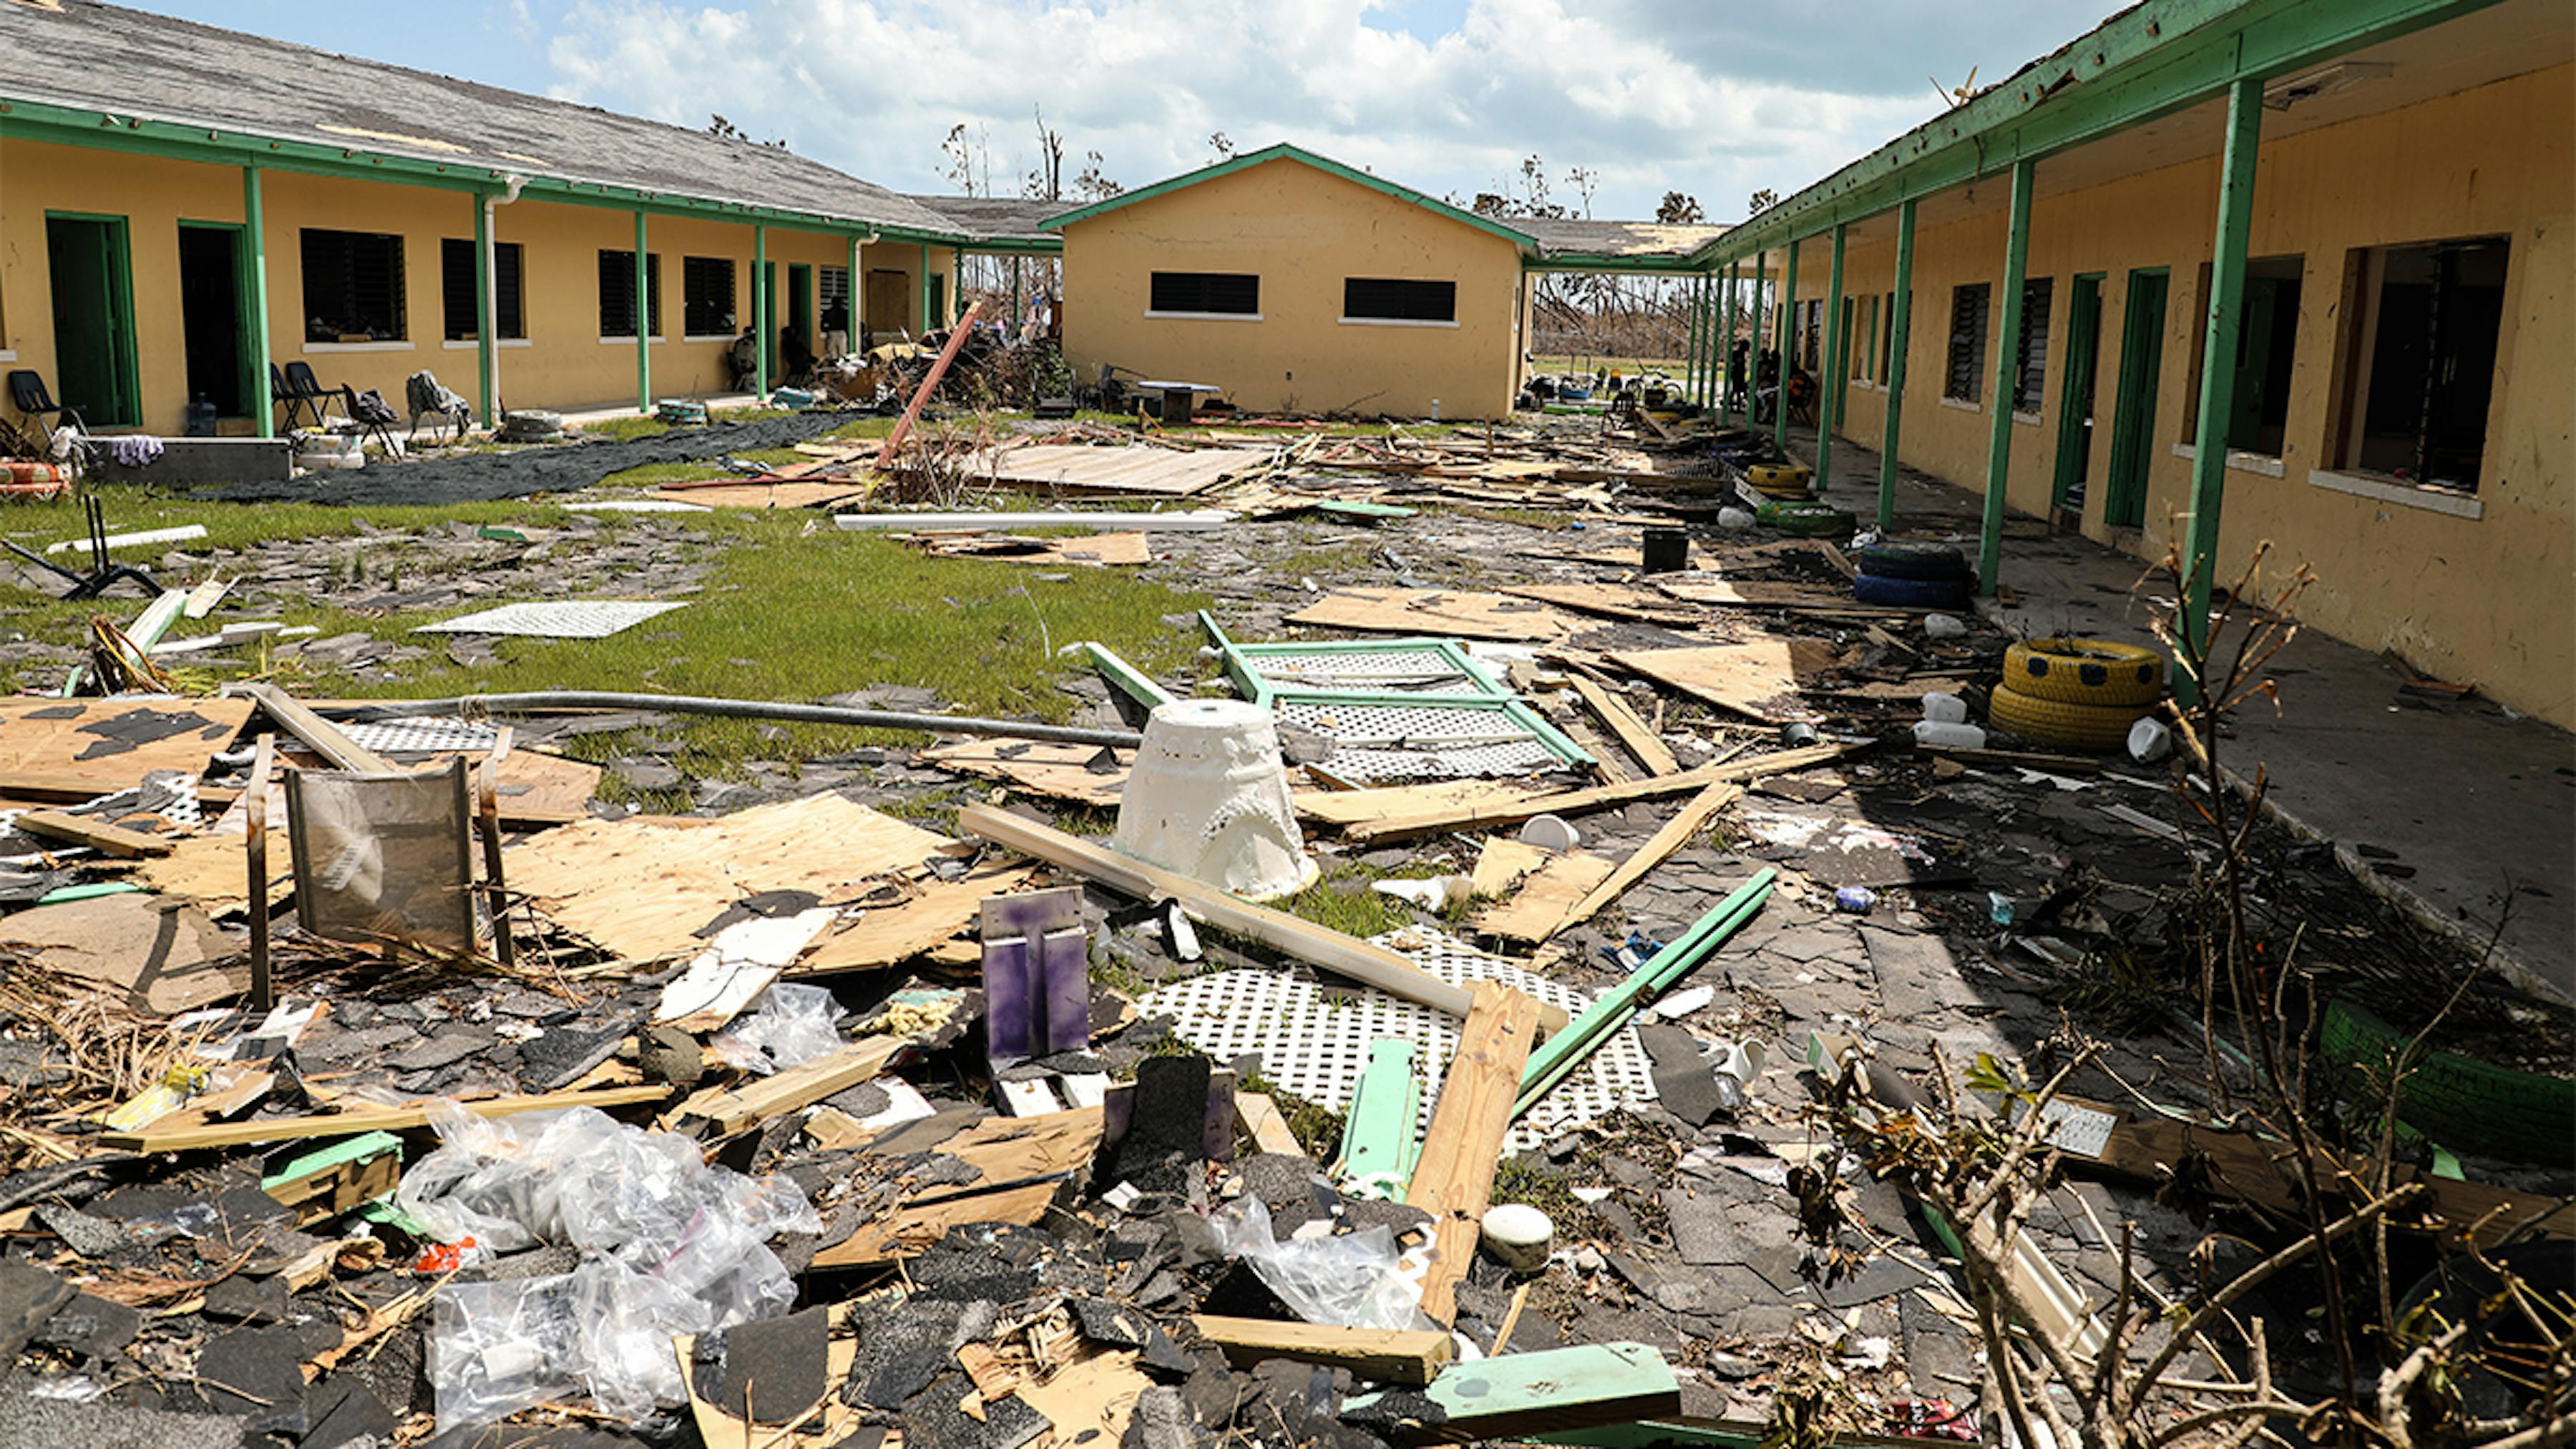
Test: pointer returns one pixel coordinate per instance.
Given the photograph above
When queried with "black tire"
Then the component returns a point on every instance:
(1913, 558)
(2463, 1103)
(1941, 594)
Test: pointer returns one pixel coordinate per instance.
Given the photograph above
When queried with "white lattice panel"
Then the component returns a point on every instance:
(1420, 742)
(556, 619)
(1373, 672)
(1314, 1037)
(420, 735)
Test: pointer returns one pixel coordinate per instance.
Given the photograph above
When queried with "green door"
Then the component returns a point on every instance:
(2133, 417)
(769, 341)
(93, 291)
(938, 303)
(2075, 399)
(800, 302)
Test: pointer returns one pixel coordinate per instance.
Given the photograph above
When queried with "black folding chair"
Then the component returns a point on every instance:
(29, 395)
(303, 389)
(104, 570)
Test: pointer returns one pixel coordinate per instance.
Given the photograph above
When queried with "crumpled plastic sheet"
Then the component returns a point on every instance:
(794, 1025)
(1354, 1280)
(669, 1246)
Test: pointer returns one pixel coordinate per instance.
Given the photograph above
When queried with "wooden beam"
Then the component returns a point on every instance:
(96, 834)
(1454, 1178)
(1675, 834)
(722, 1112)
(1633, 732)
(1385, 1355)
(1528, 1393)
(338, 1179)
(372, 1119)
(1344, 955)
(1259, 1118)
(318, 734)
(1494, 811)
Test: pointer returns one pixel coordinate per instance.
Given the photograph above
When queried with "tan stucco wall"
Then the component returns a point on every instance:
(562, 363)
(2486, 601)
(1302, 231)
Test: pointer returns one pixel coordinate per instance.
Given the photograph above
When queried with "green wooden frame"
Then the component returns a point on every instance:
(128, 360)
(1494, 695)
(2133, 410)
(2075, 380)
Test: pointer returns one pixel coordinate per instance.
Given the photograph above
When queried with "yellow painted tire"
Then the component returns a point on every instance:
(2094, 728)
(2085, 671)
(1778, 479)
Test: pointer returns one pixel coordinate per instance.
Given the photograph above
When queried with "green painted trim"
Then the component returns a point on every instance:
(2000, 399)
(1015, 247)
(353, 1149)
(2076, 380)
(2146, 62)
(1829, 388)
(761, 326)
(644, 318)
(2225, 319)
(1611, 262)
(1286, 152)
(486, 324)
(924, 329)
(1900, 333)
(1726, 398)
(1379, 1147)
(120, 283)
(1788, 347)
(62, 125)
(255, 331)
(1131, 681)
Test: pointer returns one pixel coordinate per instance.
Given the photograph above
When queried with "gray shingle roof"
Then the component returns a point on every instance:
(1626, 239)
(995, 218)
(135, 63)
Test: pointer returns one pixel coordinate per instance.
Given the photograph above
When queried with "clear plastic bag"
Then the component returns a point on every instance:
(794, 1025)
(497, 1348)
(1352, 1281)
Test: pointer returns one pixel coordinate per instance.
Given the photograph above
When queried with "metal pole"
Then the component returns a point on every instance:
(643, 321)
(1788, 341)
(1900, 315)
(1990, 547)
(478, 705)
(1829, 396)
(2218, 368)
(760, 311)
(255, 229)
(485, 354)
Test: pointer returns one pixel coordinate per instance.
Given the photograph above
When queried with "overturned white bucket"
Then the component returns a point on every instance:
(1208, 797)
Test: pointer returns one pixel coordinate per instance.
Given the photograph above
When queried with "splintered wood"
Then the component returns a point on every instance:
(1436, 611)
(1548, 889)
(67, 749)
(1137, 468)
(1453, 1180)
(1086, 774)
(1758, 679)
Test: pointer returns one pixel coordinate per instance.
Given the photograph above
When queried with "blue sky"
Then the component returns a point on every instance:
(1713, 99)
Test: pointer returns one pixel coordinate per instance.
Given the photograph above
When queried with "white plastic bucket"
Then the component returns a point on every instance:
(1949, 736)
(1208, 797)
(1945, 708)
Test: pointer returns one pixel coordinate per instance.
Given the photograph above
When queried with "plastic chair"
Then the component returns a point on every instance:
(29, 395)
(299, 388)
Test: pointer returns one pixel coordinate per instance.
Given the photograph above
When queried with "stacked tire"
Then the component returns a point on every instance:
(2076, 694)
(1905, 573)
(1806, 519)
(1780, 480)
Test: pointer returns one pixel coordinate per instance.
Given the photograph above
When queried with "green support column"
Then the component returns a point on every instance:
(1990, 546)
(1829, 393)
(760, 312)
(1708, 373)
(1897, 324)
(1753, 363)
(2218, 366)
(1692, 320)
(956, 285)
(850, 297)
(1788, 337)
(1014, 329)
(1727, 318)
(643, 321)
(484, 352)
(255, 336)
(927, 321)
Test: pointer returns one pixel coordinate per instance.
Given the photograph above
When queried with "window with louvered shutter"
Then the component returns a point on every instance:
(706, 296)
(1967, 341)
(832, 289)
(353, 286)
(456, 290)
(1233, 294)
(617, 293)
(2030, 365)
(1392, 299)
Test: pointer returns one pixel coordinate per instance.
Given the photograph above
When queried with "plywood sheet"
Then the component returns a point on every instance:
(1098, 550)
(1135, 468)
(926, 914)
(1616, 601)
(774, 495)
(1759, 678)
(1088, 774)
(161, 955)
(1760, 594)
(642, 889)
(1345, 808)
(1438, 612)
(1541, 904)
(106, 745)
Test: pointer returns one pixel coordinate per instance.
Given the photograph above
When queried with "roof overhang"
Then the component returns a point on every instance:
(1283, 152)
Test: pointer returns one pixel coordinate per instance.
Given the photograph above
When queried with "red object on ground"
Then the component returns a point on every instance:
(938, 369)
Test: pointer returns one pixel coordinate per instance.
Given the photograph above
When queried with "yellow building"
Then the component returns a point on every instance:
(2372, 200)
(1294, 283)
(183, 207)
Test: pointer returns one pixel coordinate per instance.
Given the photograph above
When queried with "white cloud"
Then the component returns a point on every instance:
(871, 86)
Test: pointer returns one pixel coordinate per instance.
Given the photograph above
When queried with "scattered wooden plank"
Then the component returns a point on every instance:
(1057, 771)
(365, 1119)
(96, 834)
(1675, 834)
(71, 750)
(1382, 1355)
(1540, 907)
(1614, 601)
(1454, 1178)
(2031, 759)
(1757, 678)
(1502, 863)
(1259, 1118)
(1640, 740)
(889, 935)
(1136, 468)
(1343, 809)
(1494, 810)
(338, 1179)
(724, 1111)
(1528, 1393)
(912, 1229)
(1458, 613)
(318, 734)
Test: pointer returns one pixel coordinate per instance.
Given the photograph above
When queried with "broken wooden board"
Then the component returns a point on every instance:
(155, 953)
(1453, 1180)
(1757, 594)
(723, 1111)
(364, 1119)
(1519, 1394)
(913, 1228)
(1258, 1117)
(1635, 734)
(1136, 468)
(1502, 863)
(1459, 614)
(643, 888)
(1090, 1400)
(1758, 679)
(1378, 1355)
(1345, 809)
(1516, 807)
(1540, 907)
(918, 916)
(1086, 774)
(82, 748)
(1615, 601)
(1097, 550)
(98, 835)
(753, 494)
(1674, 834)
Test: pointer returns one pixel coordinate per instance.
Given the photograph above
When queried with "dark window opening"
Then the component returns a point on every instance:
(456, 291)
(1231, 293)
(2030, 354)
(353, 286)
(1967, 342)
(706, 295)
(2267, 332)
(617, 293)
(832, 287)
(1390, 299)
(2422, 367)
(1811, 320)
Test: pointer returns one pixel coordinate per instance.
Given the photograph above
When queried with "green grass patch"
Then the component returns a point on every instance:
(1341, 900)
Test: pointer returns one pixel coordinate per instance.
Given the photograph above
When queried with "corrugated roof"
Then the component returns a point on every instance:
(1627, 240)
(995, 218)
(133, 63)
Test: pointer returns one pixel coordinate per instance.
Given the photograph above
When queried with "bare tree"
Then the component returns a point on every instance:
(1761, 201)
(969, 160)
(1222, 145)
(1679, 209)
(1046, 180)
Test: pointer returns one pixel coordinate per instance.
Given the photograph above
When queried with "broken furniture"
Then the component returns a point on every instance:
(1037, 975)
(104, 571)
(29, 395)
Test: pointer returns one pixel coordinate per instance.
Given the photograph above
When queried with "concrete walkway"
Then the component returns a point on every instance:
(2465, 813)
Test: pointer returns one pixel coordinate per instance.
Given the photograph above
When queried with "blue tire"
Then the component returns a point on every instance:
(1911, 593)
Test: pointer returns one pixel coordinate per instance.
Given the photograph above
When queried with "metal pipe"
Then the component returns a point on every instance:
(596, 699)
